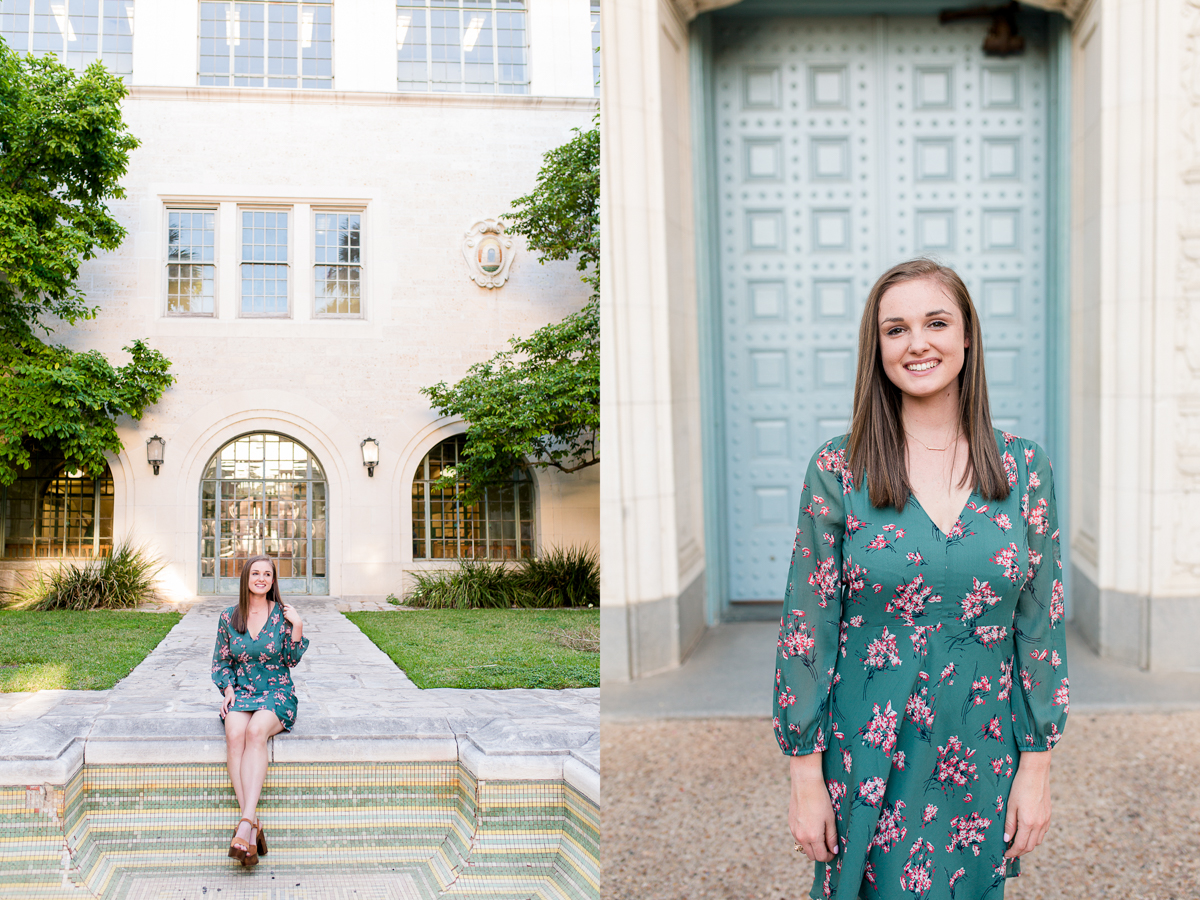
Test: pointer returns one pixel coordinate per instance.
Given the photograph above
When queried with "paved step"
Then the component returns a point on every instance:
(354, 705)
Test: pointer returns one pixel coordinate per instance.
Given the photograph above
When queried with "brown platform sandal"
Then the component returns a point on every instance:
(238, 848)
(261, 843)
(252, 854)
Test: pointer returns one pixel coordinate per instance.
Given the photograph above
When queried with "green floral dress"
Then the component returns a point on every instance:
(922, 664)
(259, 667)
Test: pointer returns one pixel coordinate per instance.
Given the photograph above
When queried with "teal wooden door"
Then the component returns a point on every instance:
(845, 146)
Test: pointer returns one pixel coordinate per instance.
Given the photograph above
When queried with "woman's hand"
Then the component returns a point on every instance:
(293, 618)
(810, 812)
(1028, 815)
(228, 701)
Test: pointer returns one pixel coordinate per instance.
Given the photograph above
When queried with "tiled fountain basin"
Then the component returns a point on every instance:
(403, 830)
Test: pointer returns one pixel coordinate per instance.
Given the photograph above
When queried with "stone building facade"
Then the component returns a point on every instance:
(766, 159)
(298, 217)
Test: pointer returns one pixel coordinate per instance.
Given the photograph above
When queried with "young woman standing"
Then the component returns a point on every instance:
(922, 676)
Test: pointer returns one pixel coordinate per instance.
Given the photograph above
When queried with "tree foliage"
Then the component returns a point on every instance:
(63, 150)
(538, 404)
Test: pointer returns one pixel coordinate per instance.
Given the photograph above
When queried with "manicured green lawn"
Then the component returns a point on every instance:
(487, 648)
(88, 651)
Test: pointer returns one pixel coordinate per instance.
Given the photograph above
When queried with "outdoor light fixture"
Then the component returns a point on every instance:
(154, 452)
(370, 452)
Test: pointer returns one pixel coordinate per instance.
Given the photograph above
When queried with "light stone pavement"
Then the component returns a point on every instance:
(355, 705)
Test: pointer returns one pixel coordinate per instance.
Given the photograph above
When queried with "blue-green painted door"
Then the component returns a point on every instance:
(844, 146)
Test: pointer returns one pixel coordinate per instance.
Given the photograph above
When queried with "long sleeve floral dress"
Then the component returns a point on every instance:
(922, 664)
(259, 667)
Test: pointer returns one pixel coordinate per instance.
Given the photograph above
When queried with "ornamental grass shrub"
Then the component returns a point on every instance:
(563, 577)
(122, 580)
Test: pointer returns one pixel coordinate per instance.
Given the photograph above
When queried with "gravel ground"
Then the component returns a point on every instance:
(696, 810)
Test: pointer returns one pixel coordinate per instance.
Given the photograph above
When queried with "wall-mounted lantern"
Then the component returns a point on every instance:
(154, 452)
(370, 453)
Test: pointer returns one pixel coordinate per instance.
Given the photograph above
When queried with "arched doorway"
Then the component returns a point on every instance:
(52, 511)
(263, 493)
(500, 526)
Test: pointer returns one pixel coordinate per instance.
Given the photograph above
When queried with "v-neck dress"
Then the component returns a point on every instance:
(259, 667)
(922, 664)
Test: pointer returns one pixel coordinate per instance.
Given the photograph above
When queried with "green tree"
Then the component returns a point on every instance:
(63, 150)
(538, 404)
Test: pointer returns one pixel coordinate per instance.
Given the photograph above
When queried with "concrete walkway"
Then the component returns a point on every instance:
(355, 705)
(730, 674)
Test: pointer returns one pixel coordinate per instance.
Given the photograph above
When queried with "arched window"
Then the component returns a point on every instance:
(50, 511)
(501, 526)
(263, 493)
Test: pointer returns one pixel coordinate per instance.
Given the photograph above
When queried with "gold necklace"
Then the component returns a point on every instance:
(927, 447)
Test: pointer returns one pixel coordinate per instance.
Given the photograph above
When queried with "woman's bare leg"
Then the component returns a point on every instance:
(263, 724)
(235, 746)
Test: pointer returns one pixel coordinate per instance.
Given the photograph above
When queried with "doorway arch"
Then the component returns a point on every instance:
(263, 493)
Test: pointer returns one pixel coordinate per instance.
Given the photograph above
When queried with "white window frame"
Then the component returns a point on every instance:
(290, 211)
(215, 209)
(332, 85)
(460, 87)
(363, 225)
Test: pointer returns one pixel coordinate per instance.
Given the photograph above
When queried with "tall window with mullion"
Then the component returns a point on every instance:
(276, 44)
(264, 262)
(596, 45)
(337, 264)
(191, 261)
(78, 32)
(501, 526)
(464, 46)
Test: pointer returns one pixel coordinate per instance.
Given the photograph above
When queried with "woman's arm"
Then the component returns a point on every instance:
(294, 641)
(1041, 703)
(810, 811)
(222, 661)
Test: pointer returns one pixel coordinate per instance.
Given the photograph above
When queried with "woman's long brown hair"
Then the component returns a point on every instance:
(242, 613)
(877, 446)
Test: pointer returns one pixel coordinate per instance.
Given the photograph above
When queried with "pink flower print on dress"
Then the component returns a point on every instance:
(978, 599)
(797, 641)
(898, 759)
(1010, 468)
(847, 759)
(829, 460)
(1007, 558)
(920, 640)
(917, 877)
(854, 524)
(951, 770)
(947, 672)
(1003, 522)
(1057, 607)
(1006, 679)
(882, 652)
(870, 791)
(916, 559)
(954, 880)
(1062, 696)
(993, 729)
(1034, 481)
(968, 831)
(909, 600)
(825, 582)
(881, 542)
(1055, 659)
(880, 732)
(1028, 456)
(889, 829)
(930, 814)
(918, 711)
(1027, 681)
(990, 635)
(854, 578)
(980, 687)
(837, 792)
(1039, 517)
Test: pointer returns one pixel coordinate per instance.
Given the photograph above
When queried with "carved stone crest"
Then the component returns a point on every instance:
(489, 253)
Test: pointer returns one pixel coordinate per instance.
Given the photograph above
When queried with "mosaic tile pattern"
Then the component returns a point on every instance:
(393, 831)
